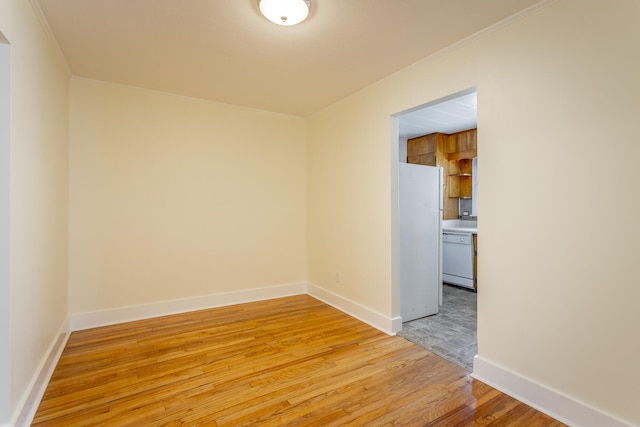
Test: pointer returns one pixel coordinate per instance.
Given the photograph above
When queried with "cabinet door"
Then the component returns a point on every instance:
(421, 145)
(428, 159)
(467, 140)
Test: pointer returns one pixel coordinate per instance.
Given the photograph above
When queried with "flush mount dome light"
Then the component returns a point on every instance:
(285, 12)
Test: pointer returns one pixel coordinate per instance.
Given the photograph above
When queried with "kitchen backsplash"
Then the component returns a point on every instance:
(465, 206)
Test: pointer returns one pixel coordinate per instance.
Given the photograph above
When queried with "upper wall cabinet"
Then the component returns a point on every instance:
(429, 150)
(466, 143)
(454, 153)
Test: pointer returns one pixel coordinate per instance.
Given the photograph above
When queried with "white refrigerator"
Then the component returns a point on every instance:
(420, 218)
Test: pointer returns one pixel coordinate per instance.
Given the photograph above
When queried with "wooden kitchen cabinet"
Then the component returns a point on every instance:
(430, 147)
(454, 153)
(460, 178)
(422, 145)
(466, 140)
(462, 167)
(428, 159)
(460, 187)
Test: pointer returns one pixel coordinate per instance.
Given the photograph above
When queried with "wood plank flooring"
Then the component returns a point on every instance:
(286, 362)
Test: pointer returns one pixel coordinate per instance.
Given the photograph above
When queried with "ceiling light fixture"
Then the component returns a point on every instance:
(285, 12)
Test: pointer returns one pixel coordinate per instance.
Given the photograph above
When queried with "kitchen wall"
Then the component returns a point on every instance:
(557, 102)
(37, 205)
(402, 150)
(173, 198)
(465, 205)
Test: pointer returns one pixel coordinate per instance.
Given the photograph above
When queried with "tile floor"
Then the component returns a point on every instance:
(452, 332)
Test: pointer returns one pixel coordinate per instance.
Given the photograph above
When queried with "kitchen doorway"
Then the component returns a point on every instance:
(444, 133)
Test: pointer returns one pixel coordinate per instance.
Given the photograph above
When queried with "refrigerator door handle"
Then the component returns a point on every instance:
(441, 188)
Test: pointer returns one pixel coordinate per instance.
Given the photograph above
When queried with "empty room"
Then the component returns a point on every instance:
(200, 219)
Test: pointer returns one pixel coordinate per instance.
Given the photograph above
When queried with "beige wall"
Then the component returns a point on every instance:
(5, 229)
(38, 201)
(557, 101)
(349, 213)
(172, 197)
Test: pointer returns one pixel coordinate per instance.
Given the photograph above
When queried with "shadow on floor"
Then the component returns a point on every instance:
(451, 333)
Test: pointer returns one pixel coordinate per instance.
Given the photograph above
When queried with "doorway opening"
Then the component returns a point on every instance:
(443, 133)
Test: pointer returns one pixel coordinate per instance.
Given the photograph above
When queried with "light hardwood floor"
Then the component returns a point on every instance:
(284, 362)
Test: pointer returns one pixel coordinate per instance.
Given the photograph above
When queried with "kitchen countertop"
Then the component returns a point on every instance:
(460, 226)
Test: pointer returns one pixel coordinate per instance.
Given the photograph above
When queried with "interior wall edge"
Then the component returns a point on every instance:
(181, 97)
(551, 402)
(46, 28)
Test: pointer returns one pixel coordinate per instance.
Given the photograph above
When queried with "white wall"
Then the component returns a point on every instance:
(402, 150)
(173, 198)
(38, 199)
(557, 103)
(5, 182)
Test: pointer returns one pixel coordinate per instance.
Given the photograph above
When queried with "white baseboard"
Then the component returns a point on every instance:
(552, 403)
(29, 403)
(373, 318)
(114, 316)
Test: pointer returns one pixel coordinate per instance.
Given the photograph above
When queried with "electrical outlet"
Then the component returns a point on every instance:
(337, 277)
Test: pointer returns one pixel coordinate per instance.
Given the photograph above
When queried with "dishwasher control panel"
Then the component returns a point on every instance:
(463, 239)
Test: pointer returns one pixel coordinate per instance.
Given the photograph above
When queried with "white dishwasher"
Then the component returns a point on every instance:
(457, 258)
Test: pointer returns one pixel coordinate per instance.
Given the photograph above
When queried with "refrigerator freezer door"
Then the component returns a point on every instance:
(420, 220)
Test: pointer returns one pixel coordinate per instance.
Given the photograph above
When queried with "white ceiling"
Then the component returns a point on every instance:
(448, 116)
(224, 50)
